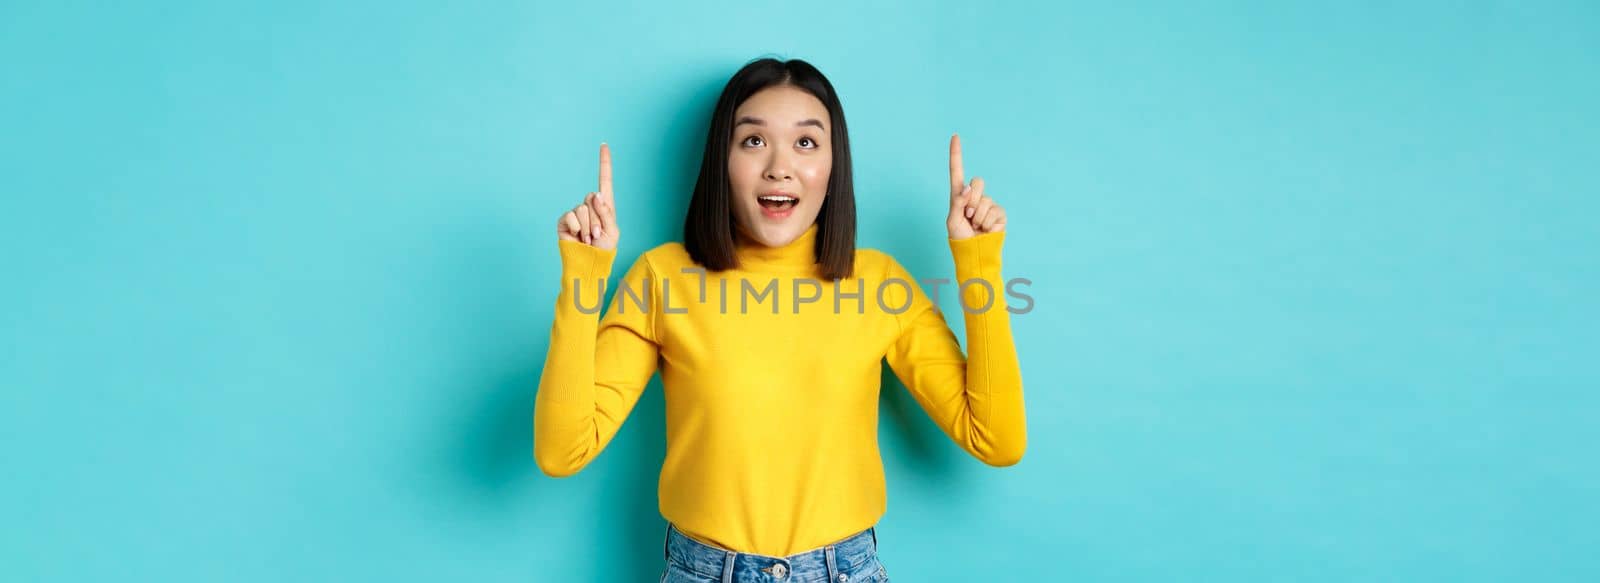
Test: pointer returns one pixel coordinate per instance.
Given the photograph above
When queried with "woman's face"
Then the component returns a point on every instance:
(779, 163)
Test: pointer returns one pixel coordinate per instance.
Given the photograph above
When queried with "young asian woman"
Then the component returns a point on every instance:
(769, 328)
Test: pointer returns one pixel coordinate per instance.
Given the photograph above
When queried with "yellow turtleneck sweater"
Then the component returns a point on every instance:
(772, 392)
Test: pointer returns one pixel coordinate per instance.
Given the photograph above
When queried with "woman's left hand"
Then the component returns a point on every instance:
(971, 211)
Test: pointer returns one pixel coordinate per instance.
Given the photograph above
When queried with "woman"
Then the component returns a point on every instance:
(770, 328)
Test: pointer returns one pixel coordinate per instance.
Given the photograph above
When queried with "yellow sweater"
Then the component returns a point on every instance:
(772, 392)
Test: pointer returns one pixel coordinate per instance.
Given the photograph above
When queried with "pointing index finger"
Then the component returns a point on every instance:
(957, 180)
(605, 171)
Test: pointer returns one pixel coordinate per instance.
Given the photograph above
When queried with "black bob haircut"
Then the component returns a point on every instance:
(708, 229)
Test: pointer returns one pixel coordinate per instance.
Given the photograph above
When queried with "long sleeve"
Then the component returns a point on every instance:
(596, 368)
(976, 399)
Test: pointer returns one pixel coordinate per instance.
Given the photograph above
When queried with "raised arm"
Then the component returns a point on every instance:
(975, 398)
(596, 368)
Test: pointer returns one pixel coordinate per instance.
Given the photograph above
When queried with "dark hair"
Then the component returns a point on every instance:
(708, 230)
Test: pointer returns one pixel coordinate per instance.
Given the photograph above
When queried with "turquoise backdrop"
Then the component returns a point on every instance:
(1315, 284)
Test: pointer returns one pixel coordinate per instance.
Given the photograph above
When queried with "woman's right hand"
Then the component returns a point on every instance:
(594, 221)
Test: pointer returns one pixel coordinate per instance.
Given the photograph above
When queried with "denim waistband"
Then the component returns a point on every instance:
(817, 565)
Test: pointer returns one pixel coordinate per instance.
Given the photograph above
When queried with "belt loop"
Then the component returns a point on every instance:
(727, 567)
(666, 542)
(833, 567)
(874, 530)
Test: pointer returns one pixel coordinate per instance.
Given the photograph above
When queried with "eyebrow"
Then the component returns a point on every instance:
(758, 121)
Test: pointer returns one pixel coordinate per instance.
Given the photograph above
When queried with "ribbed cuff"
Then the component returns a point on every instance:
(978, 255)
(581, 260)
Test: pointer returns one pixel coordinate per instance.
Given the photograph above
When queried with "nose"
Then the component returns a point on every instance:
(778, 167)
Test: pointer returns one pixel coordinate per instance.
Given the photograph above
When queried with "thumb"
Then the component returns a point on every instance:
(958, 202)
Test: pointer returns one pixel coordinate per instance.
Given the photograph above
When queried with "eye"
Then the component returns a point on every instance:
(756, 139)
(807, 143)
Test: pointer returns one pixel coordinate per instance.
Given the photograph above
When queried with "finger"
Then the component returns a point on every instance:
(608, 211)
(995, 217)
(599, 223)
(598, 215)
(974, 196)
(570, 222)
(957, 179)
(583, 222)
(605, 170)
(981, 213)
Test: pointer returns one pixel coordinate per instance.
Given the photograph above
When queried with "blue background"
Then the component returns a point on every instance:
(1315, 285)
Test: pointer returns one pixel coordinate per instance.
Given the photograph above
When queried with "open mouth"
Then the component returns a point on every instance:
(778, 202)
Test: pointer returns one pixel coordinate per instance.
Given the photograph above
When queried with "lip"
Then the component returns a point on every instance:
(778, 215)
